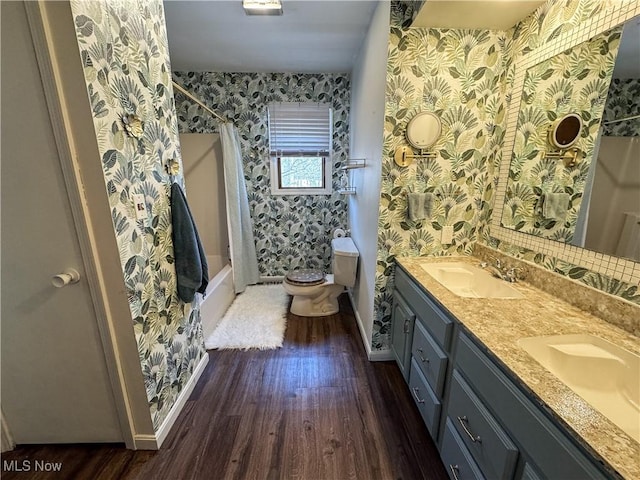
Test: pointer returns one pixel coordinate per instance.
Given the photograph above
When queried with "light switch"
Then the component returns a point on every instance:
(447, 235)
(140, 206)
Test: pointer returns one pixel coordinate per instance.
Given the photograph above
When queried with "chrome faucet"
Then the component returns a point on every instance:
(513, 274)
(498, 270)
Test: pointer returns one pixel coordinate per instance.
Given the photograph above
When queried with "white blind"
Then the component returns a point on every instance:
(300, 129)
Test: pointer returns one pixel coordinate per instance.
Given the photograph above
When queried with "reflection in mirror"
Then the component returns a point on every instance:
(579, 80)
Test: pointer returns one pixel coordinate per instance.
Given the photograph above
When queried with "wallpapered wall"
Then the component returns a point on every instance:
(575, 81)
(611, 275)
(290, 231)
(457, 74)
(623, 101)
(123, 46)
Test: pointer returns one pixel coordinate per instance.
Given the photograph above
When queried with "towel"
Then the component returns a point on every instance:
(553, 205)
(419, 205)
(190, 260)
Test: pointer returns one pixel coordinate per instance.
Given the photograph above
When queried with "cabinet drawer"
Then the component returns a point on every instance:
(490, 446)
(437, 323)
(429, 357)
(425, 399)
(554, 455)
(455, 456)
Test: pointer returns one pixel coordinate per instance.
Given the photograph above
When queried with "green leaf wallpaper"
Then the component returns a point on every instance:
(456, 74)
(290, 231)
(123, 47)
(575, 81)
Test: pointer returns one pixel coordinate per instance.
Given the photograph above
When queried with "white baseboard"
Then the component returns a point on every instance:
(145, 442)
(381, 355)
(372, 355)
(170, 419)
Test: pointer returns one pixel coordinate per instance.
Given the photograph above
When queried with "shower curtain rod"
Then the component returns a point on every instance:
(632, 117)
(185, 92)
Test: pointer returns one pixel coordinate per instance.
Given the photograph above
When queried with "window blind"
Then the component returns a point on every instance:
(300, 129)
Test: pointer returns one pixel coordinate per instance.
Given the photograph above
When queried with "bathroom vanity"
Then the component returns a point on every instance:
(494, 411)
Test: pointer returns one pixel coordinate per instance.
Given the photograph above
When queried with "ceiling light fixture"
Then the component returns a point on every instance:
(262, 7)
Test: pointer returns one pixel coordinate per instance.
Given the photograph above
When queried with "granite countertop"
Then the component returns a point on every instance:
(500, 323)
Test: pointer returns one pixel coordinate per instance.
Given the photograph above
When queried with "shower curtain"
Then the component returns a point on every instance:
(242, 246)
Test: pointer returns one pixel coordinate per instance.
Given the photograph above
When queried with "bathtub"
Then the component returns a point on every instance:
(219, 294)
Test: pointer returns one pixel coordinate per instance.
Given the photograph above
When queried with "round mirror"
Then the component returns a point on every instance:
(423, 130)
(566, 131)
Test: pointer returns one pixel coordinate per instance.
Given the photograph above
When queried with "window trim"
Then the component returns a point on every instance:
(277, 189)
(289, 148)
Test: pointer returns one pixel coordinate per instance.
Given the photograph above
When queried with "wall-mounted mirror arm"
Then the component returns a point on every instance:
(404, 156)
(570, 158)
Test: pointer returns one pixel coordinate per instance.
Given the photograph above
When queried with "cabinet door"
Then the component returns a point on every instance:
(402, 319)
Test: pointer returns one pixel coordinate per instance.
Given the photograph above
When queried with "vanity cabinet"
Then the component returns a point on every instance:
(543, 445)
(402, 321)
(429, 340)
(485, 424)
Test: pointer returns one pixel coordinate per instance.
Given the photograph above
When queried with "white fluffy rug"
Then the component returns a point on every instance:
(255, 319)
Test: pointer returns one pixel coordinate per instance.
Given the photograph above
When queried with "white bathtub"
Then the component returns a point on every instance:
(219, 294)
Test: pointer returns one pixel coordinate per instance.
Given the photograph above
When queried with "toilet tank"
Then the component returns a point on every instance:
(345, 261)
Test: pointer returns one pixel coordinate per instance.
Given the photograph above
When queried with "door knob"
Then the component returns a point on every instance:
(70, 275)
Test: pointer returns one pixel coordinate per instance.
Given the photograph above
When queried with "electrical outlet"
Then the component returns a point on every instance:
(140, 206)
(447, 235)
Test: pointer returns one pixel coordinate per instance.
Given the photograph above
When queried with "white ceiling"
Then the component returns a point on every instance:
(323, 36)
(312, 36)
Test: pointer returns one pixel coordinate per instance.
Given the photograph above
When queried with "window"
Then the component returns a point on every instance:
(300, 148)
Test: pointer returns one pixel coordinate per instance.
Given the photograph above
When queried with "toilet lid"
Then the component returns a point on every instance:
(304, 277)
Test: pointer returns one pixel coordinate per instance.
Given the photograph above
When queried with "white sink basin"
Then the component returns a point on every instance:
(470, 281)
(603, 374)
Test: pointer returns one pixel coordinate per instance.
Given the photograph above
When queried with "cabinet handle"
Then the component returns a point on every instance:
(416, 394)
(454, 471)
(407, 323)
(463, 422)
(422, 359)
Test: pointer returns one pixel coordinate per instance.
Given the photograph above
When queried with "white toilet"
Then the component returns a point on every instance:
(316, 294)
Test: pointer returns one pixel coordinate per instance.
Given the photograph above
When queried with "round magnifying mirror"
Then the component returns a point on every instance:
(566, 131)
(423, 130)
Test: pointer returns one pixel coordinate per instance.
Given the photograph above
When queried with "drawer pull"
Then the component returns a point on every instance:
(454, 471)
(416, 394)
(463, 422)
(422, 359)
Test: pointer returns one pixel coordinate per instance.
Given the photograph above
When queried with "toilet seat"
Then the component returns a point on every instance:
(305, 277)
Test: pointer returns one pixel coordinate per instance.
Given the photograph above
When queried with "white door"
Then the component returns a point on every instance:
(55, 384)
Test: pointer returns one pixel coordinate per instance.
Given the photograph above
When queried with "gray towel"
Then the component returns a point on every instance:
(419, 205)
(190, 260)
(553, 205)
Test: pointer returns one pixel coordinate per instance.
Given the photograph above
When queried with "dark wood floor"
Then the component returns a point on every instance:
(314, 409)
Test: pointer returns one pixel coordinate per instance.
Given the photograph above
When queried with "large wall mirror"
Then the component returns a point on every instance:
(593, 202)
